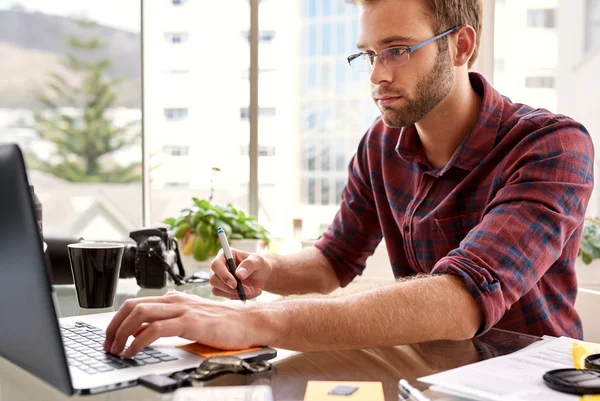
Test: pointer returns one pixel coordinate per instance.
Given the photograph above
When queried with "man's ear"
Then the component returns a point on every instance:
(464, 41)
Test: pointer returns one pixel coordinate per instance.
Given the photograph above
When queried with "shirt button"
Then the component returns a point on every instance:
(406, 229)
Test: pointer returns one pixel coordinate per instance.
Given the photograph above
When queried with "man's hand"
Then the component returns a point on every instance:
(216, 324)
(252, 269)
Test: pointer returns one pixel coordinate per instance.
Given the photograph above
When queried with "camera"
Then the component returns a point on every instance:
(152, 259)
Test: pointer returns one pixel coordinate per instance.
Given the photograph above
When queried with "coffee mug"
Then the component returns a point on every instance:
(95, 267)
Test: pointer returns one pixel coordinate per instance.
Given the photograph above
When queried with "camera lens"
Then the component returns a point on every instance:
(128, 262)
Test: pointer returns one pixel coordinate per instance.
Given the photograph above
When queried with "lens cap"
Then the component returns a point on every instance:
(574, 381)
(593, 362)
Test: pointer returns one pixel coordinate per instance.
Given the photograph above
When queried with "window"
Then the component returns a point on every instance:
(592, 34)
(261, 72)
(176, 151)
(263, 36)
(176, 37)
(263, 151)
(325, 191)
(262, 111)
(312, 190)
(541, 18)
(539, 82)
(70, 193)
(176, 114)
(175, 184)
(339, 190)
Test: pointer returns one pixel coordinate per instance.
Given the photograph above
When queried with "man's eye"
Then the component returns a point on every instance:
(396, 52)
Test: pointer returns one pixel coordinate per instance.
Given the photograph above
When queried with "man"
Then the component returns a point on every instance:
(480, 199)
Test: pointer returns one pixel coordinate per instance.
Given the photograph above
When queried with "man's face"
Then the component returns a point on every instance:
(408, 92)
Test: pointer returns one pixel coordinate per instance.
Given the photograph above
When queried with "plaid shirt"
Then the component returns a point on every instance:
(505, 214)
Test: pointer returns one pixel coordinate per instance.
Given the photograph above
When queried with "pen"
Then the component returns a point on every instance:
(231, 263)
(409, 391)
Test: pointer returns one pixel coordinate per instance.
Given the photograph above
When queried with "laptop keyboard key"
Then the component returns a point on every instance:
(152, 361)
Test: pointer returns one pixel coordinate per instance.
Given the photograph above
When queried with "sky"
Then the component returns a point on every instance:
(122, 14)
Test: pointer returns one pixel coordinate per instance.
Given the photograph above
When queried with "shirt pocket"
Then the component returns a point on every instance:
(450, 231)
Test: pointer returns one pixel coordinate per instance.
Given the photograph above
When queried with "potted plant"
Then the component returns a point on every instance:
(196, 229)
(588, 262)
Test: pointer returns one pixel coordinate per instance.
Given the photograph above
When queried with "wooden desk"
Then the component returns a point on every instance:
(293, 370)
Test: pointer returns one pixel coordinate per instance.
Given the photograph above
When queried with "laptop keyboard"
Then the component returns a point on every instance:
(83, 343)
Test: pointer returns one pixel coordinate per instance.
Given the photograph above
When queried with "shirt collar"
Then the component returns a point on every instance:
(479, 141)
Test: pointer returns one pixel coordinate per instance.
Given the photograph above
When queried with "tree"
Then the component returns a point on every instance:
(75, 118)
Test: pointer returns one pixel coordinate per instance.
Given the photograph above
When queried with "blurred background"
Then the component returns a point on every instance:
(74, 81)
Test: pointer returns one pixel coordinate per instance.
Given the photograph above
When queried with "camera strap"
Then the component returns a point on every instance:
(177, 279)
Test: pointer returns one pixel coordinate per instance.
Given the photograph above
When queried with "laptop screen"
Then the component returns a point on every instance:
(30, 333)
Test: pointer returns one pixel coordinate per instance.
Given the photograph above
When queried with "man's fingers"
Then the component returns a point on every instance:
(251, 292)
(216, 282)
(125, 310)
(219, 266)
(154, 331)
(247, 267)
(142, 313)
(220, 293)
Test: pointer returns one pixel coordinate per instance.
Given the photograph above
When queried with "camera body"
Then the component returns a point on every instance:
(152, 259)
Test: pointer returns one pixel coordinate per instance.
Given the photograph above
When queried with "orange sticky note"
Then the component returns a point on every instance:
(207, 352)
(367, 391)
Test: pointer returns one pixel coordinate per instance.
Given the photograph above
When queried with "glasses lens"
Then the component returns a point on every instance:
(361, 63)
(395, 56)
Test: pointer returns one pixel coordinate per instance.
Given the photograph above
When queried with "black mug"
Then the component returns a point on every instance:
(95, 267)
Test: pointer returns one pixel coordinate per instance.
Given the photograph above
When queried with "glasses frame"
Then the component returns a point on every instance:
(407, 49)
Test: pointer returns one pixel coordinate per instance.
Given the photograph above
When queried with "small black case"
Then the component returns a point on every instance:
(162, 384)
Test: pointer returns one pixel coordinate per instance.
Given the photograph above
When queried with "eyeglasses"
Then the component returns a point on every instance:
(393, 56)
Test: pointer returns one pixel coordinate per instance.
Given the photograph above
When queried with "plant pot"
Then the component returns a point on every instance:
(248, 245)
(588, 276)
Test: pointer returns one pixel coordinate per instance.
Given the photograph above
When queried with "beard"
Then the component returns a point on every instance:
(431, 89)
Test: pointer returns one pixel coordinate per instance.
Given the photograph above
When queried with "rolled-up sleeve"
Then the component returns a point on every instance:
(524, 229)
(355, 231)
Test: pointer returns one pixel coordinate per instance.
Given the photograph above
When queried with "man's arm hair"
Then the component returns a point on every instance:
(303, 272)
(413, 311)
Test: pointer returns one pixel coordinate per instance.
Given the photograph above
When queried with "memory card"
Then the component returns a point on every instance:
(343, 390)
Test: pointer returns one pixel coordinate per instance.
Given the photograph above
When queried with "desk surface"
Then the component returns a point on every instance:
(293, 370)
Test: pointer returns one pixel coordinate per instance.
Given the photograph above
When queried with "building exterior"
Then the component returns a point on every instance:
(526, 51)
(335, 109)
(196, 95)
(578, 67)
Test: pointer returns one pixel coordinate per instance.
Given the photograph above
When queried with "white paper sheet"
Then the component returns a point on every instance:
(516, 377)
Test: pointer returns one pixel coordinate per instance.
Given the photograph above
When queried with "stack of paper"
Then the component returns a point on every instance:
(515, 377)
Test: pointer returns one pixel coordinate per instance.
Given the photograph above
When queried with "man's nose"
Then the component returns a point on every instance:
(380, 72)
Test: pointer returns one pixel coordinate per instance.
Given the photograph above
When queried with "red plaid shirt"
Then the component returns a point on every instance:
(505, 214)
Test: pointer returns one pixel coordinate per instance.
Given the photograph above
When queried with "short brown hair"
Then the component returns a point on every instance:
(446, 14)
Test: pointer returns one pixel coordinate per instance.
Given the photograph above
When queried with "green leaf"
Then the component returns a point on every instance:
(587, 259)
(237, 236)
(170, 222)
(211, 212)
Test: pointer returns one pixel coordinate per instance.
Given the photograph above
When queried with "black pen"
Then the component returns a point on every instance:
(231, 263)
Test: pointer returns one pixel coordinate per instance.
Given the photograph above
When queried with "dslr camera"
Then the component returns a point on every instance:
(152, 259)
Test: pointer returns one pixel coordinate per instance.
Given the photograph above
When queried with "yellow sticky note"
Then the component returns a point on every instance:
(207, 352)
(367, 391)
(580, 351)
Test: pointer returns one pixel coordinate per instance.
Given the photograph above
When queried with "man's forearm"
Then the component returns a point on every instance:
(432, 308)
(307, 271)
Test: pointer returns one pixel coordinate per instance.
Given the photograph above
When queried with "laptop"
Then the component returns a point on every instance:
(66, 353)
